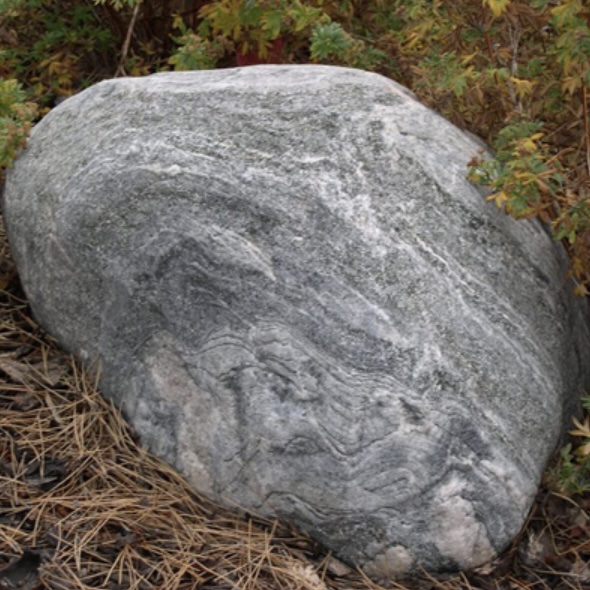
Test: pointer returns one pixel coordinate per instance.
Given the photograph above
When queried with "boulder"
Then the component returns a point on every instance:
(301, 303)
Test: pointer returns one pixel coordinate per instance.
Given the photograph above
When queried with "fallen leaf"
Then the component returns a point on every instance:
(16, 370)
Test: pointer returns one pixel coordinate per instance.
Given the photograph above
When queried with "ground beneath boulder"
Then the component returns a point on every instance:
(83, 506)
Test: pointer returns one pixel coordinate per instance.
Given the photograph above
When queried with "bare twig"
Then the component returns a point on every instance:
(125, 50)
(515, 35)
(586, 126)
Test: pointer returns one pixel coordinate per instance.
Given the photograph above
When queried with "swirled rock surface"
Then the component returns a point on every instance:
(302, 304)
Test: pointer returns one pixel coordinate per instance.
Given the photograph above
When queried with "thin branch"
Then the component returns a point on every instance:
(586, 125)
(121, 68)
(514, 42)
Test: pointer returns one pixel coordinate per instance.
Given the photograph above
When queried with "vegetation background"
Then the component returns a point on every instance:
(514, 72)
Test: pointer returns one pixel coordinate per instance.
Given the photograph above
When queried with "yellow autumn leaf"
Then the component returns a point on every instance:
(522, 87)
(497, 6)
(504, 54)
(577, 267)
(526, 145)
(465, 60)
(571, 84)
(499, 198)
(524, 176)
(583, 429)
(413, 40)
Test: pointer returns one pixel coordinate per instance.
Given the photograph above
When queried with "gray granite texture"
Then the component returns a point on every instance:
(302, 304)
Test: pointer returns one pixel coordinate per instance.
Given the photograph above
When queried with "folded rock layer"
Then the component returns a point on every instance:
(303, 305)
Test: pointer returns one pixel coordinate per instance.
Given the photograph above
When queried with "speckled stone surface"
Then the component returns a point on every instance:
(303, 305)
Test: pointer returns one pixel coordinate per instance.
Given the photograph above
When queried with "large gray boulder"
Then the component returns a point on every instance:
(302, 304)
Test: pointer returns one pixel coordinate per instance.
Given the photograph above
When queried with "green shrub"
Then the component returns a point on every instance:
(285, 31)
(16, 117)
(571, 473)
(57, 47)
(195, 52)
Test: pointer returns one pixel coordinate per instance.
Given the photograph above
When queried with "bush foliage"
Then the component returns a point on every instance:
(513, 72)
(16, 116)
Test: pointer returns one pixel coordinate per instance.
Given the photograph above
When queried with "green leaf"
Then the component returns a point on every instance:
(327, 41)
(272, 22)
